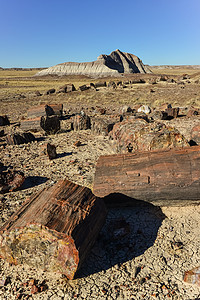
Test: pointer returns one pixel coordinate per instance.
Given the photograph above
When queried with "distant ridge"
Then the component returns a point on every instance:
(115, 64)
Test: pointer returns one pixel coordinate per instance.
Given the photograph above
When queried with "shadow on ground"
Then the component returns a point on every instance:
(131, 228)
(32, 181)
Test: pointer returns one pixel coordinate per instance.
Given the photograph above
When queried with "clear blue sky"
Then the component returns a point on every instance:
(42, 33)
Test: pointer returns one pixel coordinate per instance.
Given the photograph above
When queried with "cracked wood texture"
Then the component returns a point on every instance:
(162, 177)
(55, 229)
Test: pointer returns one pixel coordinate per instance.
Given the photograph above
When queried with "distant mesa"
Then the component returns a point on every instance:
(115, 64)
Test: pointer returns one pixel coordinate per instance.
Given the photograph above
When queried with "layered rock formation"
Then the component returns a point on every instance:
(106, 65)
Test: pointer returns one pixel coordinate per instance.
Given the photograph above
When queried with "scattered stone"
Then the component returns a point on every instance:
(192, 276)
(145, 109)
(77, 144)
(1, 133)
(10, 180)
(50, 91)
(51, 151)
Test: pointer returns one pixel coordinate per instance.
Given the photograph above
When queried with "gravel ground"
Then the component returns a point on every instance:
(146, 261)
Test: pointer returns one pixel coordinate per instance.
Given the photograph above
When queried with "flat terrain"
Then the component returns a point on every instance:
(163, 243)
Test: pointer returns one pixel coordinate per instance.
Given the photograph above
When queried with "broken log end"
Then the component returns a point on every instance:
(54, 251)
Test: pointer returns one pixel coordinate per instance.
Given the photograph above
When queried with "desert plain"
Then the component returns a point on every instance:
(149, 262)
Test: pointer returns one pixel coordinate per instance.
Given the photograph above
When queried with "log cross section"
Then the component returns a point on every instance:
(55, 229)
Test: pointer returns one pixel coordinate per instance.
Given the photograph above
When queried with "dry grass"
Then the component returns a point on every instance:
(14, 85)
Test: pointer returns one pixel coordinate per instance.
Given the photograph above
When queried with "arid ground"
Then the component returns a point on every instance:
(150, 262)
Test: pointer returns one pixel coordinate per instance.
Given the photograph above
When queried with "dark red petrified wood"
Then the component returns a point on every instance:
(55, 229)
(162, 177)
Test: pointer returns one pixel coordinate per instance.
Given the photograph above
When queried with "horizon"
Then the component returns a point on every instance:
(43, 34)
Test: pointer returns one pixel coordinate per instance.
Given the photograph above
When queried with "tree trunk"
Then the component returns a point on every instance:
(161, 177)
(31, 125)
(55, 229)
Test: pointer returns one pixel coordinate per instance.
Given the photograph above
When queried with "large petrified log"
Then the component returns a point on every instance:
(55, 229)
(137, 135)
(45, 110)
(31, 124)
(162, 177)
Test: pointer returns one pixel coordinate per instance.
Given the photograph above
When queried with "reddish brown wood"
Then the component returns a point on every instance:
(31, 124)
(102, 125)
(55, 229)
(10, 180)
(81, 122)
(195, 134)
(45, 110)
(134, 134)
(162, 177)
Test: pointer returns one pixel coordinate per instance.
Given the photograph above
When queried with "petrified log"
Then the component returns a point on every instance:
(17, 139)
(172, 112)
(102, 125)
(45, 110)
(50, 124)
(10, 180)
(162, 177)
(195, 134)
(81, 122)
(4, 121)
(55, 229)
(137, 135)
(54, 109)
(83, 87)
(100, 84)
(31, 124)
(67, 88)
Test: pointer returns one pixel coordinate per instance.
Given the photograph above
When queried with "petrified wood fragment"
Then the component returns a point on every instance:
(10, 180)
(137, 135)
(55, 229)
(4, 121)
(81, 122)
(31, 124)
(51, 151)
(162, 177)
(20, 138)
(102, 125)
(50, 124)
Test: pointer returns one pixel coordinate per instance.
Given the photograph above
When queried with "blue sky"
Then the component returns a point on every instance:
(42, 33)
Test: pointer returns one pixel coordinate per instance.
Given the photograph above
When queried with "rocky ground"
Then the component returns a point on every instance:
(147, 261)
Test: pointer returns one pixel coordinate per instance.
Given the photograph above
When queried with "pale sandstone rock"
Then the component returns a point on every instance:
(106, 65)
